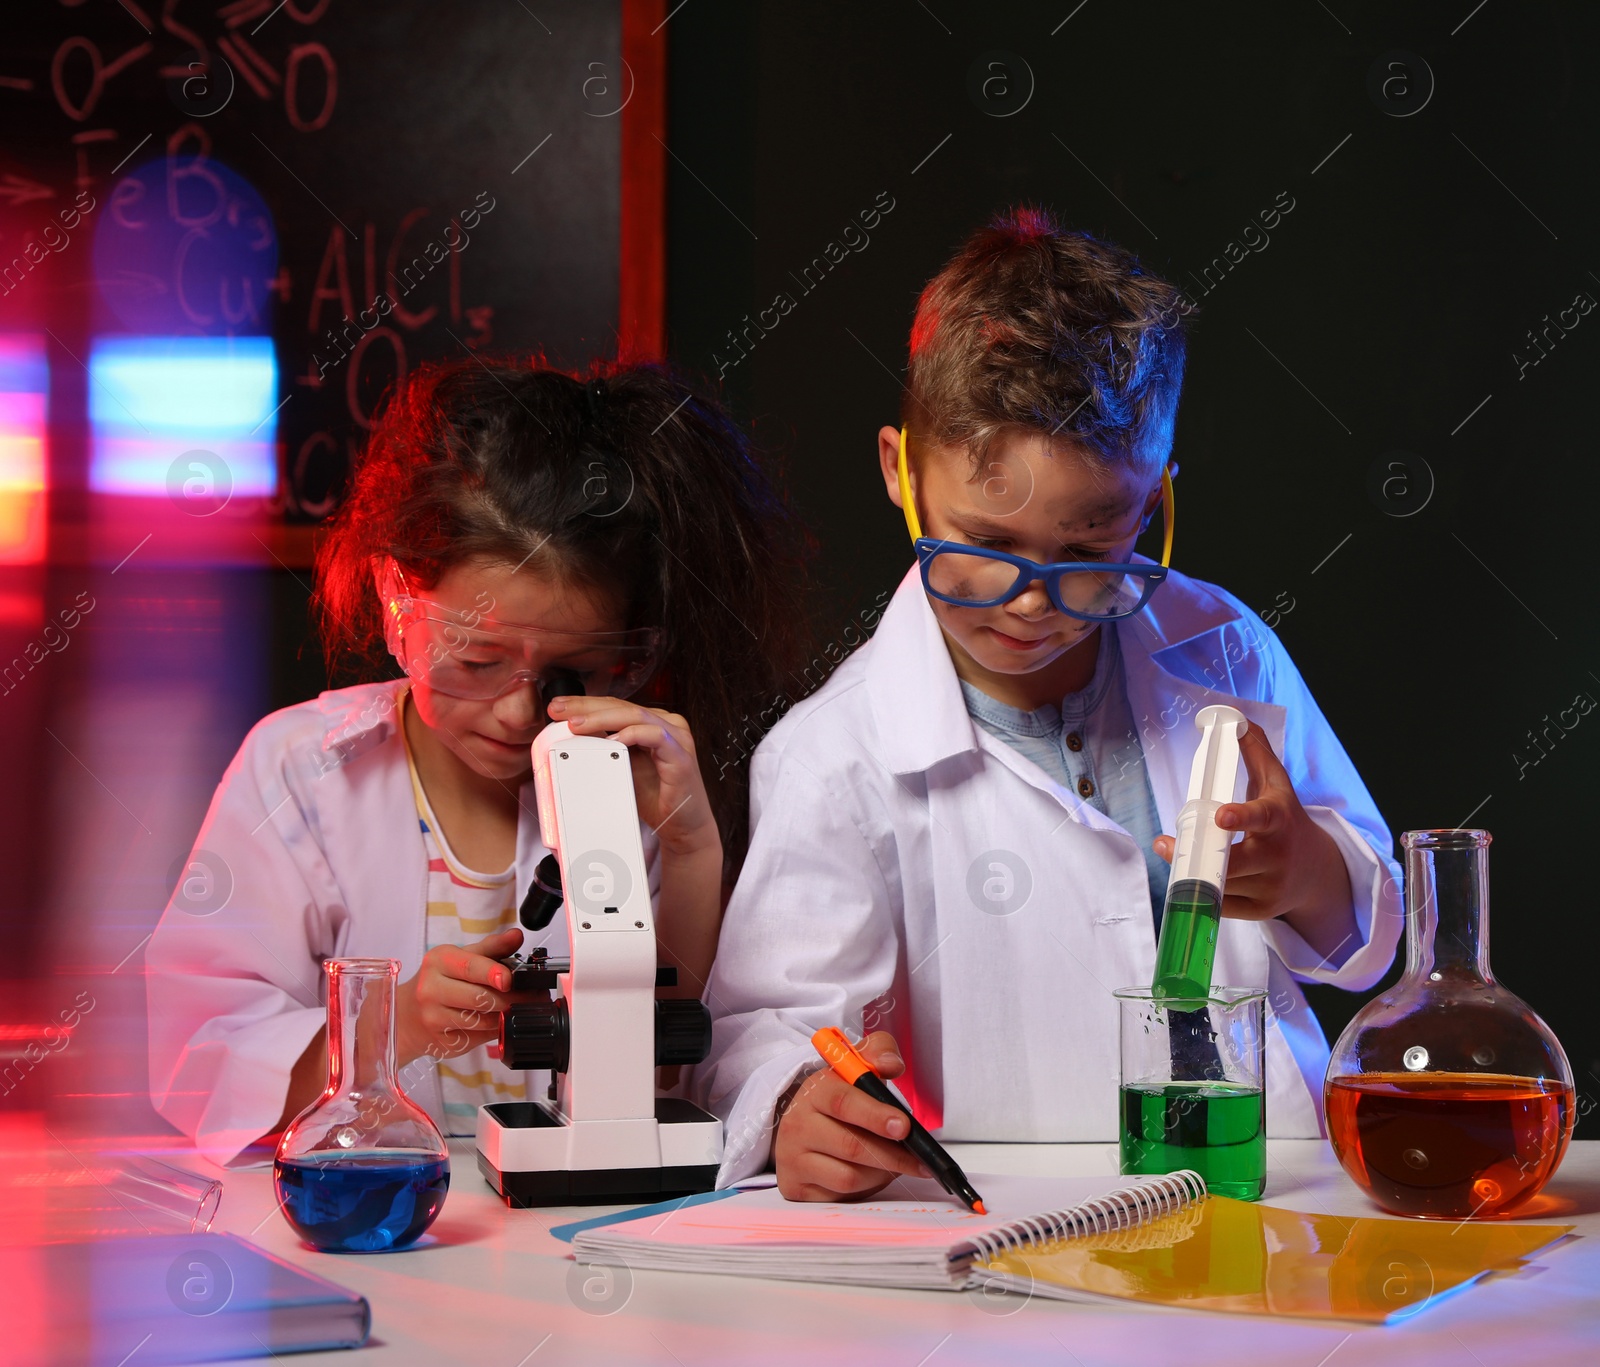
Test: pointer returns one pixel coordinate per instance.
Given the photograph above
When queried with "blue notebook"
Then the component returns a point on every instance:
(191, 1298)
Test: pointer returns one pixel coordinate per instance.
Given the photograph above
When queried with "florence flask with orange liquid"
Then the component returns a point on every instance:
(1447, 1097)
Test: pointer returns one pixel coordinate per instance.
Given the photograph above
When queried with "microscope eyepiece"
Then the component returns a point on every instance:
(543, 898)
(561, 683)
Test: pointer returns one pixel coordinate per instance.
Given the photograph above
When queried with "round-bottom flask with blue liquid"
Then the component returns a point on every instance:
(362, 1169)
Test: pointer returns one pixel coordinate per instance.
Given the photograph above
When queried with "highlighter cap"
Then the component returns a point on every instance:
(839, 1054)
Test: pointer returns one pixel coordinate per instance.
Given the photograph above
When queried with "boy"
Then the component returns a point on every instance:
(956, 841)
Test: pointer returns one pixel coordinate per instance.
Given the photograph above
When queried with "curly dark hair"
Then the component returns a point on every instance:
(1031, 325)
(629, 479)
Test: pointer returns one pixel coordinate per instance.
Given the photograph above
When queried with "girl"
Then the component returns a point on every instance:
(525, 546)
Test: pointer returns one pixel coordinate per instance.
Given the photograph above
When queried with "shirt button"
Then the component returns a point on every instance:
(1085, 787)
(1074, 741)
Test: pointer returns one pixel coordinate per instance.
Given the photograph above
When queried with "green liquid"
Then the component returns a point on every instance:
(1216, 1128)
(1188, 940)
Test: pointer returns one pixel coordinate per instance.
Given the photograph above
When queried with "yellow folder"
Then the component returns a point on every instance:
(1221, 1254)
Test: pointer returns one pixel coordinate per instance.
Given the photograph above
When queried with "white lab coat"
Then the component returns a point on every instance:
(878, 809)
(316, 826)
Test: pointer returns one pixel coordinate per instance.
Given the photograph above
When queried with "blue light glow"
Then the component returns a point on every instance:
(152, 399)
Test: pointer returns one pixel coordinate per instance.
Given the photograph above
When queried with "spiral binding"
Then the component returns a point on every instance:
(1162, 1232)
(1125, 1208)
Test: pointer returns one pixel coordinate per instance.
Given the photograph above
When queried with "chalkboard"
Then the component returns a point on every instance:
(367, 185)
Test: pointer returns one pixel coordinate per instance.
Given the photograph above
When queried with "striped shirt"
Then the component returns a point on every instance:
(463, 906)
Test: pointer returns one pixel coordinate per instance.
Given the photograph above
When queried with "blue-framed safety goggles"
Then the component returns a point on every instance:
(978, 577)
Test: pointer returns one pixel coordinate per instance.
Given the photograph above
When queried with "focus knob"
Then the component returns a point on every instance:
(683, 1031)
(535, 1035)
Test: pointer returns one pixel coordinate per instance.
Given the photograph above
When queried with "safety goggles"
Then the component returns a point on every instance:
(978, 577)
(472, 655)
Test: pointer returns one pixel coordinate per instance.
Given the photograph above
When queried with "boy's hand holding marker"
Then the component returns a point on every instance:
(835, 1142)
(1286, 866)
(851, 1066)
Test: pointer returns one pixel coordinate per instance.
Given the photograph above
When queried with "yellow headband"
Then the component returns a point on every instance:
(908, 504)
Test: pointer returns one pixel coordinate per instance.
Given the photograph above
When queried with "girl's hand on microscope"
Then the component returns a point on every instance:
(1286, 866)
(455, 1000)
(666, 772)
(835, 1143)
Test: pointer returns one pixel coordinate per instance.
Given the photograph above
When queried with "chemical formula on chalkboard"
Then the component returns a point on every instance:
(368, 189)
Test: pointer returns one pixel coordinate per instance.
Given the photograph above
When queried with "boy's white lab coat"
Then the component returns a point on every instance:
(909, 872)
(311, 850)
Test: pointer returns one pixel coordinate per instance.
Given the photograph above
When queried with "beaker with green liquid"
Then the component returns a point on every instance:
(1193, 1087)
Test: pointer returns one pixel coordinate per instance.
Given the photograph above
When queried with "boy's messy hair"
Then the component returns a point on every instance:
(1033, 326)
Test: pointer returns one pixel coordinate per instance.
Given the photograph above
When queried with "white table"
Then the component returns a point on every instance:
(492, 1288)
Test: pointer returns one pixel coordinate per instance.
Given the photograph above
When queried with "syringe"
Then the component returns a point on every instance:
(1199, 860)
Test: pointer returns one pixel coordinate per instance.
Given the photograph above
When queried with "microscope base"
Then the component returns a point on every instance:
(597, 1186)
(526, 1153)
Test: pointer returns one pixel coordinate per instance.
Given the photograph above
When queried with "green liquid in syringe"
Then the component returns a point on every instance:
(1188, 940)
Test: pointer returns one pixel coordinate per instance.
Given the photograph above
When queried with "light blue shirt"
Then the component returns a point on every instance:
(1089, 745)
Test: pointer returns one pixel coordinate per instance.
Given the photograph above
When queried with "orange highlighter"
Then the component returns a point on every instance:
(846, 1061)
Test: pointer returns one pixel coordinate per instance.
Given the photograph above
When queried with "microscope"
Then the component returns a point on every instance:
(603, 1135)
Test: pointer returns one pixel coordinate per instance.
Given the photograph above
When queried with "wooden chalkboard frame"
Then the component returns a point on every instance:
(642, 269)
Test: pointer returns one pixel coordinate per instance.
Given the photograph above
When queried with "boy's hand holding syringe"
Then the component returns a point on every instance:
(1286, 866)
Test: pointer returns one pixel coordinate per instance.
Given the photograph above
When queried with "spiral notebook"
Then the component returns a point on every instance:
(1160, 1240)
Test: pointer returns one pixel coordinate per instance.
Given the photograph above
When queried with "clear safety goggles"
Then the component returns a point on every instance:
(471, 654)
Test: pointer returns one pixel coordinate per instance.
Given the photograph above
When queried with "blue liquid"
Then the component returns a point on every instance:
(361, 1203)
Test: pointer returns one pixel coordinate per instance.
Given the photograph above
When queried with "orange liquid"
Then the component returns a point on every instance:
(1449, 1145)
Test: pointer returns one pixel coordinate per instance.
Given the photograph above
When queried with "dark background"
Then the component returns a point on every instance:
(1385, 309)
(1365, 457)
